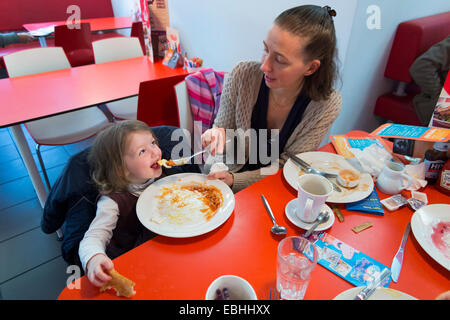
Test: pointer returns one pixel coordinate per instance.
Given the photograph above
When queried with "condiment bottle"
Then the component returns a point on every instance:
(434, 160)
(443, 182)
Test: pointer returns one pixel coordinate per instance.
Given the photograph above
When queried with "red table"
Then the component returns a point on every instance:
(45, 94)
(97, 24)
(169, 268)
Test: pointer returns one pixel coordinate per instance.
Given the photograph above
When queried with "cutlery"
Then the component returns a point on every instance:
(182, 161)
(274, 294)
(276, 229)
(323, 217)
(396, 266)
(310, 169)
(365, 293)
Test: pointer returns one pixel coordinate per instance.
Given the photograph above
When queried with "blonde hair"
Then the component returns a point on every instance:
(106, 155)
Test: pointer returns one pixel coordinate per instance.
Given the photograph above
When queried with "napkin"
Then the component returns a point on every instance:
(372, 159)
(417, 173)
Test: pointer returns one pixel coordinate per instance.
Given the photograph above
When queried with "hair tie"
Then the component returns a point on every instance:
(330, 11)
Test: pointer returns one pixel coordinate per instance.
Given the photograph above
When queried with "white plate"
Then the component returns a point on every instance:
(379, 294)
(147, 202)
(422, 223)
(330, 163)
(290, 211)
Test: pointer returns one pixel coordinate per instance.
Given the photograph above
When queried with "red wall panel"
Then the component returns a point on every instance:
(15, 13)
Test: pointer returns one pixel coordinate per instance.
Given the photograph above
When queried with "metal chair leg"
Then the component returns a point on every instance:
(59, 234)
(41, 162)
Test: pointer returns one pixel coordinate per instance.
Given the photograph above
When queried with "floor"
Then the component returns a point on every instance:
(31, 266)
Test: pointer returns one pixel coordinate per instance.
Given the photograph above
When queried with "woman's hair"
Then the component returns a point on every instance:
(315, 24)
(106, 155)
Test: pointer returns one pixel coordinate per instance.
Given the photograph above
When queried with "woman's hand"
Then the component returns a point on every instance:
(25, 37)
(97, 268)
(215, 137)
(224, 176)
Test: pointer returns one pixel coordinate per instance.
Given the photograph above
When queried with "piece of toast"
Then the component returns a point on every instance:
(123, 286)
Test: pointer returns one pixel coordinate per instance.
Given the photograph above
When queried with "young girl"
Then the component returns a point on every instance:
(124, 162)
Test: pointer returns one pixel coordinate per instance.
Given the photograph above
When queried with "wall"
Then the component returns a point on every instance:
(223, 32)
(367, 54)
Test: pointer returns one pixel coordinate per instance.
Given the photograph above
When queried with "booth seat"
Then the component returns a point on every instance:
(412, 39)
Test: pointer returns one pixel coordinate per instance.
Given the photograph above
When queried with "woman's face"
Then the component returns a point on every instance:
(282, 62)
(140, 156)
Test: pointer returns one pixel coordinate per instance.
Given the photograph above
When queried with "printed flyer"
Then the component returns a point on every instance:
(347, 262)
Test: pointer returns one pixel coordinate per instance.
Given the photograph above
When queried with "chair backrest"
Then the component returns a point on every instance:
(36, 60)
(137, 31)
(117, 48)
(73, 39)
(184, 107)
(157, 104)
(77, 43)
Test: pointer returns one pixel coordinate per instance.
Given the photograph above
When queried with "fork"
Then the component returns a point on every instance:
(182, 161)
(274, 294)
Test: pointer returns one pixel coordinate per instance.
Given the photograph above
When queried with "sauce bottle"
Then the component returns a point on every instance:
(443, 182)
(434, 160)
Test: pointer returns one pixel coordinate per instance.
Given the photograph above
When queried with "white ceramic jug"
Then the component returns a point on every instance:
(391, 179)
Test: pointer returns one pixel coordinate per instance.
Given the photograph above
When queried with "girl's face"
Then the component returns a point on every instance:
(140, 156)
(282, 62)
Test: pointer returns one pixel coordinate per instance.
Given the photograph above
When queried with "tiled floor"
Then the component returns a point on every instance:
(31, 266)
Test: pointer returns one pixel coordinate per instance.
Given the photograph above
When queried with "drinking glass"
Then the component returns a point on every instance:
(296, 259)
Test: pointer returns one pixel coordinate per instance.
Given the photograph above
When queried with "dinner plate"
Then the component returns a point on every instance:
(291, 214)
(147, 202)
(431, 227)
(379, 294)
(330, 163)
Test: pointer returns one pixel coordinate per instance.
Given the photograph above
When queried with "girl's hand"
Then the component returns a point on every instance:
(97, 268)
(215, 137)
(224, 176)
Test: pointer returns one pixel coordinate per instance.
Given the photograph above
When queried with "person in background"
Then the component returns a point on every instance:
(13, 37)
(429, 72)
(291, 89)
(124, 161)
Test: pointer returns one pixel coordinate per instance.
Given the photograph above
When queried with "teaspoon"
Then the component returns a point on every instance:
(276, 229)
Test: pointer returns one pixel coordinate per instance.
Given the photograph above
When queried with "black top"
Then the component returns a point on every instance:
(259, 121)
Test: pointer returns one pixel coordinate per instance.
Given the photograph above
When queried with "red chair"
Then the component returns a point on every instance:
(137, 30)
(412, 39)
(157, 102)
(77, 44)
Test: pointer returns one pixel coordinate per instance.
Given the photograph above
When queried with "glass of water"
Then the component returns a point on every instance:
(296, 259)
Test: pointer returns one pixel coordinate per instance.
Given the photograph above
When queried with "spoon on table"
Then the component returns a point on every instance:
(276, 229)
(323, 217)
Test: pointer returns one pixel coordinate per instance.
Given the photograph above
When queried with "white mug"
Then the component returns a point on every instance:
(313, 191)
(391, 178)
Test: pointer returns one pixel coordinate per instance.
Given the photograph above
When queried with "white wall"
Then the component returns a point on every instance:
(367, 54)
(225, 32)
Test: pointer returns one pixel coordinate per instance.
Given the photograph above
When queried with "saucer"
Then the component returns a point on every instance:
(291, 209)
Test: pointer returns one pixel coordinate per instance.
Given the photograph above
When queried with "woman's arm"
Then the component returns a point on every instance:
(317, 121)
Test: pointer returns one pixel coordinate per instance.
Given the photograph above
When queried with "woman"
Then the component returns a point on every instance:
(290, 90)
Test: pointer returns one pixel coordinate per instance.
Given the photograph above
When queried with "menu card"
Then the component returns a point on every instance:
(350, 264)
(371, 204)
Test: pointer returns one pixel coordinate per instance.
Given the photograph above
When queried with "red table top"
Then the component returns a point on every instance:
(45, 94)
(170, 268)
(97, 24)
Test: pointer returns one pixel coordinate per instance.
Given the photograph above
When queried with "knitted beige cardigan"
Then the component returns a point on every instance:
(239, 96)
